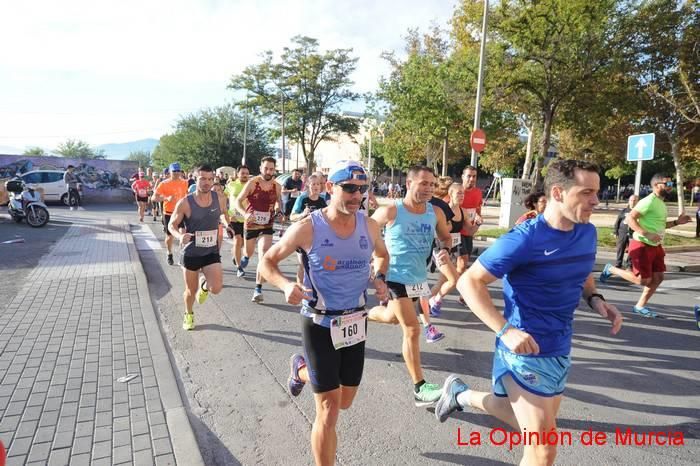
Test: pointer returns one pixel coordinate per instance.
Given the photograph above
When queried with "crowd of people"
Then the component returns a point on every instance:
(342, 251)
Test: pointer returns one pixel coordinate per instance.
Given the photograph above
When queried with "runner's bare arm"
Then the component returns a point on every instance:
(442, 229)
(224, 217)
(181, 208)
(299, 235)
(381, 259)
(384, 215)
(238, 205)
(473, 286)
(606, 310)
(278, 188)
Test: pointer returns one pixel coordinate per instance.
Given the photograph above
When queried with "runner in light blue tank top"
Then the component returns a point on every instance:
(332, 262)
(409, 240)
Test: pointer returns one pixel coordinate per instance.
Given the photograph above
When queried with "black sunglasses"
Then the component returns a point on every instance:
(353, 188)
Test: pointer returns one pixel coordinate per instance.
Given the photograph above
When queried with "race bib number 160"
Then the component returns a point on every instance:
(348, 330)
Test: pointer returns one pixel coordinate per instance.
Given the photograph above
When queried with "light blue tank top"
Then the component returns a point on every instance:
(336, 269)
(409, 241)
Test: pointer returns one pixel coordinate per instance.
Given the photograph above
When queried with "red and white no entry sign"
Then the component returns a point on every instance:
(478, 140)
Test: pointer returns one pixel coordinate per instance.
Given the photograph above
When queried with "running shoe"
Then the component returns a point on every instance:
(428, 394)
(202, 294)
(294, 383)
(435, 307)
(240, 273)
(605, 274)
(447, 403)
(645, 312)
(432, 335)
(257, 296)
(244, 262)
(170, 259)
(188, 322)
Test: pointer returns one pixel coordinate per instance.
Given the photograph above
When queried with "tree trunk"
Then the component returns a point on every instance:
(675, 151)
(528, 151)
(444, 155)
(544, 147)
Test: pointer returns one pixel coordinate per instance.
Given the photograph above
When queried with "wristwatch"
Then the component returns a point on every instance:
(380, 276)
(594, 295)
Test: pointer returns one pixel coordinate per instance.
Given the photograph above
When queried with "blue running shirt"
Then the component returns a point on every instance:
(336, 269)
(409, 241)
(543, 271)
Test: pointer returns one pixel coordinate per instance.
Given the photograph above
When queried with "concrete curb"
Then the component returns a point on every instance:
(185, 447)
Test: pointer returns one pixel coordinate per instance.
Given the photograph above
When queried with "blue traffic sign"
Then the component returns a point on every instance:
(640, 147)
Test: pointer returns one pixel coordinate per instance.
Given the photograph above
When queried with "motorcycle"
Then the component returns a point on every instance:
(25, 203)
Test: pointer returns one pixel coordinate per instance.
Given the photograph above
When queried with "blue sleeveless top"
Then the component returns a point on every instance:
(409, 241)
(336, 269)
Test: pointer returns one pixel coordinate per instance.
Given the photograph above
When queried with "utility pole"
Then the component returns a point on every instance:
(444, 155)
(283, 165)
(480, 84)
(245, 128)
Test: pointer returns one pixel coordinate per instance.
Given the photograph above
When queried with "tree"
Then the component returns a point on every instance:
(662, 56)
(310, 85)
(79, 149)
(143, 157)
(544, 54)
(213, 136)
(35, 151)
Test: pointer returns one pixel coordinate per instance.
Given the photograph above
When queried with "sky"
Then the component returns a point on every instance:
(107, 71)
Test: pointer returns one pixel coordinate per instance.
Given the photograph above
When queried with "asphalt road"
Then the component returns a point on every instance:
(233, 368)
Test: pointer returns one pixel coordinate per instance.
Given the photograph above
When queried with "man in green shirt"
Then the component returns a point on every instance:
(649, 221)
(232, 190)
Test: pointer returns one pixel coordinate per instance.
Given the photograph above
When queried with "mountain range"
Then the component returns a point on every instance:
(115, 151)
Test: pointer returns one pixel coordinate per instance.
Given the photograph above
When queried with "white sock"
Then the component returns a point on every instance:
(463, 399)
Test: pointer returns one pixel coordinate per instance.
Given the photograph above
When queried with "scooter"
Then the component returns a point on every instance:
(25, 203)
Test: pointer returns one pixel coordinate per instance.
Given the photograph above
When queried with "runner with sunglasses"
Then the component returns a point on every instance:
(649, 221)
(337, 244)
(411, 225)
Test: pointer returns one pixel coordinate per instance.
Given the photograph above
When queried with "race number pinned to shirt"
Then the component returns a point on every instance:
(261, 218)
(143, 193)
(471, 214)
(417, 290)
(205, 239)
(294, 194)
(456, 239)
(348, 330)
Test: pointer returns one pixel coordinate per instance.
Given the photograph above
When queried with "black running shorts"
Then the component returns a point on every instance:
(328, 367)
(237, 228)
(252, 234)
(194, 263)
(166, 221)
(398, 290)
(466, 246)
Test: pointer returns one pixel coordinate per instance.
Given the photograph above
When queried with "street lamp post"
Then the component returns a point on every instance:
(480, 83)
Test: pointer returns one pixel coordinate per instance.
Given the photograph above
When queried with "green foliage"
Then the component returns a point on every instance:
(79, 149)
(35, 151)
(213, 136)
(142, 157)
(310, 84)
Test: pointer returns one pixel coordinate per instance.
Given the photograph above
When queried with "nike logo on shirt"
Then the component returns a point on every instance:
(549, 253)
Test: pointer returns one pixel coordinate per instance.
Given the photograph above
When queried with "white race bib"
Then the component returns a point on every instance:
(294, 194)
(143, 193)
(456, 239)
(417, 290)
(471, 214)
(205, 239)
(261, 218)
(348, 330)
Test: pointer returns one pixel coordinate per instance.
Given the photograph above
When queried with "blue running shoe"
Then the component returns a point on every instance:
(447, 403)
(294, 383)
(645, 312)
(432, 334)
(240, 273)
(435, 307)
(257, 296)
(244, 262)
(605, 274)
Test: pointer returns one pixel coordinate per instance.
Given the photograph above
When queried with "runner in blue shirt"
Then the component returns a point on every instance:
(546, 266)
(337, 243)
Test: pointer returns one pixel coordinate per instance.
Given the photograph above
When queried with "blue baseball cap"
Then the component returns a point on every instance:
(347, 170)
(175, 167)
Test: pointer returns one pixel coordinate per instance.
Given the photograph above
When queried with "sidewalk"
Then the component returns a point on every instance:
(82, 320)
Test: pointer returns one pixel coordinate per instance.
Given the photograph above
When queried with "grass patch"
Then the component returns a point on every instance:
(605, 237)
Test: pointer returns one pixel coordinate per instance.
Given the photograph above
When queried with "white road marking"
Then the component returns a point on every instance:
(681, 283)
(145, 239)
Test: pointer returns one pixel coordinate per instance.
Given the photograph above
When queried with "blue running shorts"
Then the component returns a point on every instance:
(543, 376)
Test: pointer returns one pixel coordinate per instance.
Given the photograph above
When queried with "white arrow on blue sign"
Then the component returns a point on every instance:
(640, 147)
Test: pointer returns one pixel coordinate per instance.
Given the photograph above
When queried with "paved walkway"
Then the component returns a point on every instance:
(83, 320)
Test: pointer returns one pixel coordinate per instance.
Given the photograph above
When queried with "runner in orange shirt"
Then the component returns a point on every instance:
(170, 192)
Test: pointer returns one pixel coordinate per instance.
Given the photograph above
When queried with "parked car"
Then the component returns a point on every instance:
(49, 182)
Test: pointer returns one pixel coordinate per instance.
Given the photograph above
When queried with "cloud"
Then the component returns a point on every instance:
(170, 56)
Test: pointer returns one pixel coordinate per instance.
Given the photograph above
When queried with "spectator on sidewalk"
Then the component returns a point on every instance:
(71, 181)
(622, 231)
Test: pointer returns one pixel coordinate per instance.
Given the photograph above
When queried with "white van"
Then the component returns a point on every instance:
(50, 181)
